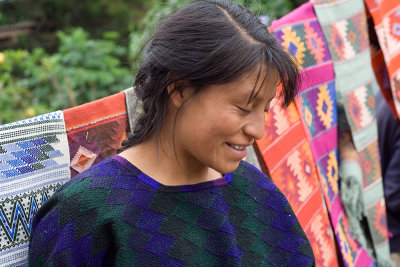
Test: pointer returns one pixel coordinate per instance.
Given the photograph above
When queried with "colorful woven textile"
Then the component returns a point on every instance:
(345, 28)
(115, 215)
(95, 131)
(289, 160)
(34, 162)
(385, 14)
(285, 146)
(379, 66)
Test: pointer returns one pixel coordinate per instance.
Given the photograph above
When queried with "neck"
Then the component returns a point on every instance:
(163, 165)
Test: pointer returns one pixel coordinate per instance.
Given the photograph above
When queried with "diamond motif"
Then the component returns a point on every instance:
(83, 159)
(308, 116)
(293, 44)
(292, 49)
(325, 106)
(336, 41)
(314, 42)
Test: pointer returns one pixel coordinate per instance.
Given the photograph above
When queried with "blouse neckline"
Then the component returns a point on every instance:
(222, 181)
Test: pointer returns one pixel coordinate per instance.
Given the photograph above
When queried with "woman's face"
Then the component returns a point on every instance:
(214, 127)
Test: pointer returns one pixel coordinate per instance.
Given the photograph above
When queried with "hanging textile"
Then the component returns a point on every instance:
(285, 146)
(386, 19)
(345, 27)
(34, 163)
(379, 66)
(95, 131)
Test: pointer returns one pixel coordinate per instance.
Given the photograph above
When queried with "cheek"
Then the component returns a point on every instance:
(206, 124)
(223, 124)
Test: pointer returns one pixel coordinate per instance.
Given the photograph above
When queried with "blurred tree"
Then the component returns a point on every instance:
(96, 17)
(121, 17)
(71, 68)
(17, 101)
(80, 71)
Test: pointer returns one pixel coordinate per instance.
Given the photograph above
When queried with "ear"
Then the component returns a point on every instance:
(179, 92)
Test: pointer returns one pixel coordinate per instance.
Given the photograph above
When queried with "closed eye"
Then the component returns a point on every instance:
(244, 110)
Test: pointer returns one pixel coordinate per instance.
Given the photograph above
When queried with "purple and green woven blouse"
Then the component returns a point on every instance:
(115, 215)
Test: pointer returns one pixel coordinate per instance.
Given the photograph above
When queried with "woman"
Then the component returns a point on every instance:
(178, 193)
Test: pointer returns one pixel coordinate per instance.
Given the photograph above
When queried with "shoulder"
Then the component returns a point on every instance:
(89, 189)
(77, 210)
(249, 171)
(100, 176)
(254, 176)
(262, 189)
(256, 185)
(273, 210)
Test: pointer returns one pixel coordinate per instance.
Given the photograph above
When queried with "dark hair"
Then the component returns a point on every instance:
(204, 43)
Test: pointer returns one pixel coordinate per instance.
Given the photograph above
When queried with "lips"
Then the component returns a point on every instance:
(237, 147)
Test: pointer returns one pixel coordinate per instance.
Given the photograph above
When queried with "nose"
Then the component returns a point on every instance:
(256, 125)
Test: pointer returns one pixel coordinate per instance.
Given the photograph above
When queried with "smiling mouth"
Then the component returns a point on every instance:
(237, 147)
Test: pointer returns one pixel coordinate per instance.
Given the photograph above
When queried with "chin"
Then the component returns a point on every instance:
(227, 167)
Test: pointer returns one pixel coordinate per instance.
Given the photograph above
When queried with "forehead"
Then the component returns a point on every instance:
(256, 85)
(259, 81)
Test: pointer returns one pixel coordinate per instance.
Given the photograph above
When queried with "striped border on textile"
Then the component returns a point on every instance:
(34, 163)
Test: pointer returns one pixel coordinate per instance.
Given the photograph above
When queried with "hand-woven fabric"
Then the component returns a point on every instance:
(114, 214)
(316, 104)
(379, 66)
(34, 162)
(345, 28)
(386, 19)
(288, 145)
(95, 131)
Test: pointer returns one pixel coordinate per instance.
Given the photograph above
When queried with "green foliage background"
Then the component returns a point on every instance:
(83, 50)
(81, 70)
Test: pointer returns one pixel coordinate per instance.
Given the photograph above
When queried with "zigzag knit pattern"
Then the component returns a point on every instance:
(114, 214)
